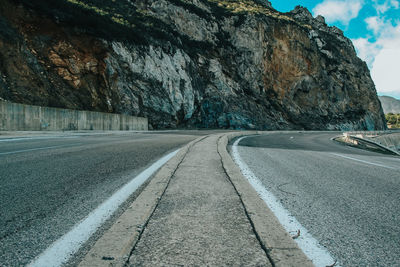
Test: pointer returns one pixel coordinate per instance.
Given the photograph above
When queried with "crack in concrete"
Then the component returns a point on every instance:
(263, 247)
(126, 264)
(279, 187)
(284, 248)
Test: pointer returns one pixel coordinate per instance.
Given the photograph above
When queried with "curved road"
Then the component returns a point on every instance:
(348, 199)
(48, 184)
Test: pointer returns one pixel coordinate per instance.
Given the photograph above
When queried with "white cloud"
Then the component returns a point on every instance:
(389, 36)
(385, 71)
(383, 55)
(339, 10)
(395, 4)
(366, 50)
(382, 7)
(385, 68)
(375, 24)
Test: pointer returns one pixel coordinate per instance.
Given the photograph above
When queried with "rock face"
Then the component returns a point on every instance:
(390, 104)
(198, 63)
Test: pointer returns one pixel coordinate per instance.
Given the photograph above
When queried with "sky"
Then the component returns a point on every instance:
(374, 28)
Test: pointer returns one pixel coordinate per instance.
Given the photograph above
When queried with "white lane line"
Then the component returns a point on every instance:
(65, 247)
(319, 255)
(363, 161)
(35, 149)
(36, 138)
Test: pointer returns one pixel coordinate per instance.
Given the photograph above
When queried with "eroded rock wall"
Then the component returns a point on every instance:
(200, 63)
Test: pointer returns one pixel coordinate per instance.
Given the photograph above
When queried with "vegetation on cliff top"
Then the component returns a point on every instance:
(107, 19)
(393, 120)
(118, 19)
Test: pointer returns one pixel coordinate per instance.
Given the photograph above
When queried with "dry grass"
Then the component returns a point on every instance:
(246, 6)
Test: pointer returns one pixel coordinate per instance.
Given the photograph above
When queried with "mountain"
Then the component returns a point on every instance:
(390, 104)
(183, 64)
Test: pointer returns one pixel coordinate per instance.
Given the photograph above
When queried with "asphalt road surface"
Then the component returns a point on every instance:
(348, 199)
(48, 184)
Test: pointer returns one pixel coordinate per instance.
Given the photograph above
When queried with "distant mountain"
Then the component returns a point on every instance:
(390, 104)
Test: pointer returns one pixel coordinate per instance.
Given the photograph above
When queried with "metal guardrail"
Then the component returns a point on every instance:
(389, 139)
(373, 133)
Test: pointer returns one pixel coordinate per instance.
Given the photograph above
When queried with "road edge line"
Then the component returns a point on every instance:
(281, 248)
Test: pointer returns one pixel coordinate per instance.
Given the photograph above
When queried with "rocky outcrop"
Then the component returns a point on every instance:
(199, 63)
(264, 2)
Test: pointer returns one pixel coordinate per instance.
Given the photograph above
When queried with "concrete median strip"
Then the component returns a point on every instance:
(114, 247)
(197, 210)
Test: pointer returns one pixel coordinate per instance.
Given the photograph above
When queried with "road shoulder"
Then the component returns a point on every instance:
(115, 247)
(280, 246)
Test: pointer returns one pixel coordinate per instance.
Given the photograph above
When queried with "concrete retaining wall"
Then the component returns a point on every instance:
(19, 117)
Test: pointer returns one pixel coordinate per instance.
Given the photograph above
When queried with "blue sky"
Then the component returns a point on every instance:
(374, 28)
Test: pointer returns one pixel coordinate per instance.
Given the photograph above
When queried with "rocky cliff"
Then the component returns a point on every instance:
(181, 63)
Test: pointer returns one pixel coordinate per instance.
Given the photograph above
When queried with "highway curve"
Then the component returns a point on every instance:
(347, 198)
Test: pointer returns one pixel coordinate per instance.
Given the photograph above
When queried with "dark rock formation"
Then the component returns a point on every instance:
(264, 3)
(198, 63)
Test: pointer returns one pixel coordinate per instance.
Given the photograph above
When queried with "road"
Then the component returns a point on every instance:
(348, 199)
(48, 184)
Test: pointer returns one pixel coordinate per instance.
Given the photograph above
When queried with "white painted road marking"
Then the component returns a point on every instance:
(363, 161)
(65, 247)
(307, 243)
(37, 138)
(35, 149)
